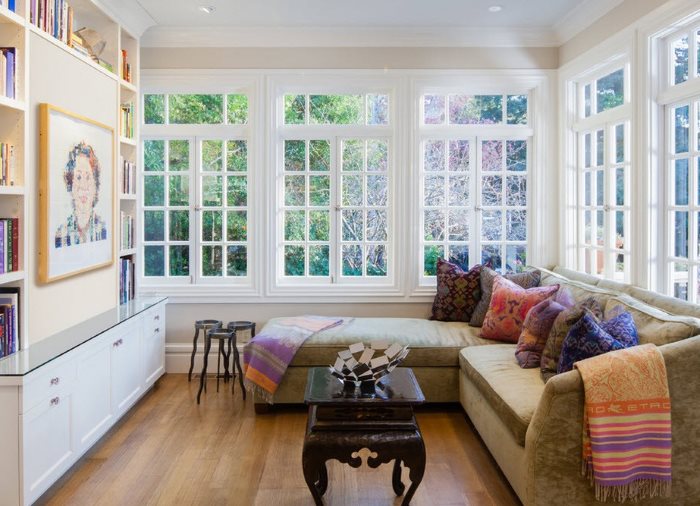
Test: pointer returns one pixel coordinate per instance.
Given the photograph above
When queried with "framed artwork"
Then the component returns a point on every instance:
(76, 194)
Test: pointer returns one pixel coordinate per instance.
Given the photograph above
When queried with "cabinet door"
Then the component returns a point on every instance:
(91, 396)
(48, 446)
(126, 369)
(153, 356)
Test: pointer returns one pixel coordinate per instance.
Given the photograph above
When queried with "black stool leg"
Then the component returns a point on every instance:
(236, 358)
(194, 350)
(218, 363)
(203, 377)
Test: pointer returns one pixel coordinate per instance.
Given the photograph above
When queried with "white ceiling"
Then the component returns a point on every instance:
(269, 23)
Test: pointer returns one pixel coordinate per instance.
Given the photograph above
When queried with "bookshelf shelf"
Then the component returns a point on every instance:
(11, 190)
(126, 85)
(127, 252)
(11, 277)
(11, 103)
(127, 141)
(9, 17)
(127, 196)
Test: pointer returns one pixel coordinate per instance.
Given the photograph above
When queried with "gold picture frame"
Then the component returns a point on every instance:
(76, 194)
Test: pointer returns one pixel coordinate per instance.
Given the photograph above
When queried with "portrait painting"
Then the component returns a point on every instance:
(76, 194)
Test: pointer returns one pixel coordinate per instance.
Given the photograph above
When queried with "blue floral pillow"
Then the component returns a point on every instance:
(589, 337)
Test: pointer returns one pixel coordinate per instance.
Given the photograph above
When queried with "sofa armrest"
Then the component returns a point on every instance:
(554, 436)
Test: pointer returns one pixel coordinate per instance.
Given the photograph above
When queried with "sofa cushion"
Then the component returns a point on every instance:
(669, 304)
(580, 290)
(527, 279)
(512, 392)
(578, 276)
(431, 343)
(653, 325)
(457, 293)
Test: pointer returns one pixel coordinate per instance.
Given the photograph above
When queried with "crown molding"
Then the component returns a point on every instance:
(189, 36)
(128, 13)
(581, 17)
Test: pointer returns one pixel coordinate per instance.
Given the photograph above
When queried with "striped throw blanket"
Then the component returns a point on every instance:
(267, 356)
(627, 424)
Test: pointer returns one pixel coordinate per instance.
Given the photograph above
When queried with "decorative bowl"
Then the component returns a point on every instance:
(364, 365)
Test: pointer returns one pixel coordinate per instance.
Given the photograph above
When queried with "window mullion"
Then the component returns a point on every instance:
(195, 210)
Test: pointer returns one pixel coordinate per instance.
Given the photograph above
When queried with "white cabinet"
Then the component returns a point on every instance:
(48, 443)
(59, 410)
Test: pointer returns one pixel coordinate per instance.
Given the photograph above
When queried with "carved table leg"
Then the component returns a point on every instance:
(194, 350)
(416, 465)
(322, 478)
(399, 487)
(203, 377)
(316, 478)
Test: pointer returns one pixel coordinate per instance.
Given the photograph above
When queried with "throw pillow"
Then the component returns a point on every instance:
(508, 308)
(622, 328)
(536, 327)
(588, 338)
(457, 294)
(527, 279)
(560, 328)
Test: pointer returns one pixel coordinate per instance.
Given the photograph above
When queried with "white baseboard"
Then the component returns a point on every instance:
(177, 357)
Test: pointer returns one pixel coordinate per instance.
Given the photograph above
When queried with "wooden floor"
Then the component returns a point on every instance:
(168, 450)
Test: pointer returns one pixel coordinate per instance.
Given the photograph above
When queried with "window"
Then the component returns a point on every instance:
(334, 197)
(474, 181)
(602, 126)
(195, 200)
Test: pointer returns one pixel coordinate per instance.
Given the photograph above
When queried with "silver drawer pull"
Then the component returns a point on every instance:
(157, 330)
(156, 317)
(55, 381)
(55, 401)
(118, 342)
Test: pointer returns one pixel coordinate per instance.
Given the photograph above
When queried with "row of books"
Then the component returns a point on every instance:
(126, 231)
(8, 72)
(126, 66)
(9, 321)
(127, 121)
(9, 245)
(126, 280)
(55, 17)
(9, 4)
(7, 164)
(128, 177)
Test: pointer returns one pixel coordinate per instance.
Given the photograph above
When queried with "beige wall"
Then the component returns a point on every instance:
(614, 21)
(60, 79)
(350, 58)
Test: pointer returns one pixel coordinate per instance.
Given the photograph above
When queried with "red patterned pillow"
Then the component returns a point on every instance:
(509, 307)
(458, 292)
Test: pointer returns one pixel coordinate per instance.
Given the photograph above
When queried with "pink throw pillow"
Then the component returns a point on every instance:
(509, 307)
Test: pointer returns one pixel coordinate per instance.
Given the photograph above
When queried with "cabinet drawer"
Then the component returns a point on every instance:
(154, 321)
(48, 381)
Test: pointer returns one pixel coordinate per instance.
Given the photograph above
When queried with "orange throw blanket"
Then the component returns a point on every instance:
(627, 424)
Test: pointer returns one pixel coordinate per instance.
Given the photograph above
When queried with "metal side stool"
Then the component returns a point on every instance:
(205, 326)
(224, 337)
(236, 327)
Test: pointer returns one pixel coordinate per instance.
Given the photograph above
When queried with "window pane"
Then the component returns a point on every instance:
(212, 261)
(430, 258)
(480, 109)
(154, 260)
(517, 109)
(179, 260)
(620, 229)
(319, 260)
(294, 225)
(294, 155)
(600, 187)
(319, 190)
(196, 109)
(434, 156)
(681, 185)
(516, 258)
(587, 100)
(491, 225)
(154, 109)
(377, 155)
(434, 225)
(610, 91)
(620, 143)
(179, 155)
(458, 190)
(682, 129)
(587, 192)
(212, 191)
(491, 155)
(352, 260)
(237, 156)
(237, 193)
(294, 109)
(294, 261)
(600, 227)
(376, 260)
(459, 254)
(353, 225)
(434, 190)
(154, 155)
(492, 190)
(516, 155)
(680, 60)
(376, 225)
(294, 190)
(237, 109)
(587, 141)
(236, 260)
(353, 155)
(377, 109)
(212, 156)
(336, 109)
(516, 187)
(458, 224)
(434, 109)
(319, 155)
(236, 226)
(681, 234)
(679, 277)
(600, 148)
(459, 155)
(377, 188)
(588, 227)
(620, 187)
(179, 225)
(212, 225)
(154, 225)
(154, 190)
(491, 256)
(352, 190)
(319, 225)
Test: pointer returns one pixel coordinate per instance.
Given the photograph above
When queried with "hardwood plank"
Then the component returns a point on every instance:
(168, 450)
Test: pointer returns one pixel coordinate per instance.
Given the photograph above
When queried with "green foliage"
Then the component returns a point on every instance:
(212, 191)
(319, 190)
(237, 226)
(319, 260)
(237, 109)
(179, 226)
(478, 109)
(178, 155)
(430, 258)
(180, 260)
(154, 190)
(212, 225)
(294, 225)
(352, 260)
(353, 153)
(294, 155)
(196, 109)
(336, 109)
(294, 261)
(320, 155)
(237, 194)
(154, 225)
(154, 109)
(237, 261)
(610, 91)
(319, 225)
(212, 262)
(294, 190)
(179, 190)
(212, 155)
(154, 155)
(154, 260)
(237, 156)
(294, 109)
(516, 110)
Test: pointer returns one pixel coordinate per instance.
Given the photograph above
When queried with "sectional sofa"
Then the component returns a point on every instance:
(533, 429)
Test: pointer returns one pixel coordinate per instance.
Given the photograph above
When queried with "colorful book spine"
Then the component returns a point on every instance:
(127, 120)
(54, 17)
(128, 177)
(126, 281)
(8, 85)
(9, 245)
(7, 164)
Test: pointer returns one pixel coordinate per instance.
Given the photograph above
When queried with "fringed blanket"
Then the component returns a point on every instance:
(267, 356)
(627, 424)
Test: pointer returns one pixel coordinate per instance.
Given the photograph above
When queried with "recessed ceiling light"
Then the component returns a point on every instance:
(495, 8)
(207, 9)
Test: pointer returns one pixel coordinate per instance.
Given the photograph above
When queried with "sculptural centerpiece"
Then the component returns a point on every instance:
(364, 365)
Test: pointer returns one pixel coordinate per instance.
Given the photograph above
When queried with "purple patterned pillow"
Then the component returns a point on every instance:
(458, 292)
(622, 328)
(535, 331)
(587, 338)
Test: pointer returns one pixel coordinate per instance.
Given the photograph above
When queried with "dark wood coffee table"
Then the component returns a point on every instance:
(339, 426)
